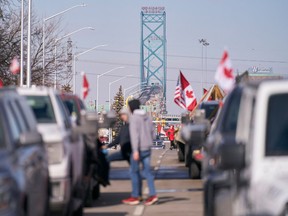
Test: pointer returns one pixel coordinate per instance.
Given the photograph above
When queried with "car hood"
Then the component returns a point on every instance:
(50, 132)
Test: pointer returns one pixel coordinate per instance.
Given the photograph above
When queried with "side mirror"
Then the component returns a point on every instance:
(30, 138)
(231, 156)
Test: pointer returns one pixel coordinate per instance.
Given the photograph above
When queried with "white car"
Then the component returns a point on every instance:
(64, 147)
(259, 158)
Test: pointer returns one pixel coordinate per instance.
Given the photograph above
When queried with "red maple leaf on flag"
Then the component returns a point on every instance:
(228, 72)
(189, 94)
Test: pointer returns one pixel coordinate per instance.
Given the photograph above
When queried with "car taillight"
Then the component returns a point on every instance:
(55, 152)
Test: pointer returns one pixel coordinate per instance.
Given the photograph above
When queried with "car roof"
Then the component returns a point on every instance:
(36, 91)
(213, 102)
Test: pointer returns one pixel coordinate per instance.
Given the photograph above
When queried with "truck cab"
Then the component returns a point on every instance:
(260, 156)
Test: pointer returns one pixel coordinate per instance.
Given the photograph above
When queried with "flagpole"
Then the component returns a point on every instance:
(29, 44)
(22, 44)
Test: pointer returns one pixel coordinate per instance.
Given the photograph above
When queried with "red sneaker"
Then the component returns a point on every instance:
(131, 201)
(151, 200)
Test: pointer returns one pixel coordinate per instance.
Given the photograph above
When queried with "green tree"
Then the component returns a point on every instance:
(117, 106)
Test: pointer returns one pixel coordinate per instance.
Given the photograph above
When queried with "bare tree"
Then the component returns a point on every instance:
(10, 39)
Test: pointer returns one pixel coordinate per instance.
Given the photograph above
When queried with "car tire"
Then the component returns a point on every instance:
(194, 171)
(96, 191)
(180, 152)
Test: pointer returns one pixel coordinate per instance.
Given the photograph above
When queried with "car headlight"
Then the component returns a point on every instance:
(7, 201)
(55, 152)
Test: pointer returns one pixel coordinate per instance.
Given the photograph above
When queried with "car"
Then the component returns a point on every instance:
(91, 186)
(24, 174)
(258, 155)
(216, 181)
(192, 154)
(64, 146)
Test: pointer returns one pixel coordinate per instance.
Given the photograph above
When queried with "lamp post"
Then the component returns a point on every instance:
(202, 41)
(29, 44)
(59, 39)
(74, 63)
(43, 32)
(132, 87)
(22, 44)
(98, 76)
(206, 44)
(110, 88)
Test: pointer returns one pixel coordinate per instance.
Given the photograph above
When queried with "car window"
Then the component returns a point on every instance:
(277, 126)
(42, 108)
(16, 109)
(64, 112)
(70, 105)
(2, 135)
(230, 120)
(14, 126)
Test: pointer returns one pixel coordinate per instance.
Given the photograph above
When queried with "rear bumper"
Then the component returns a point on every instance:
(60, 193)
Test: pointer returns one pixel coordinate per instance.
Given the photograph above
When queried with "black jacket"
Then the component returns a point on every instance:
(123, 139)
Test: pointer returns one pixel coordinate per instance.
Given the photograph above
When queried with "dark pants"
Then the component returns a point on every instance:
(172, 144)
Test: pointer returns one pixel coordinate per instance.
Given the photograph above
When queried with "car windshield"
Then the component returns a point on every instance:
(277, 126)
(42, 108)
(210, 110)
(230, 122)
(71, 105)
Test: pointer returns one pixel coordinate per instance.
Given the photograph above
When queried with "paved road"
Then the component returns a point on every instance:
(178, 195)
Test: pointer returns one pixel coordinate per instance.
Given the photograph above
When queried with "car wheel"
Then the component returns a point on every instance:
(180, 152)
(96, 191)
(79, 211)
(194, 171)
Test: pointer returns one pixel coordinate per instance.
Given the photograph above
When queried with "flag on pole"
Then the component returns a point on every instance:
(85, 86)
(184, 94)
(14, 66)
(224, 75)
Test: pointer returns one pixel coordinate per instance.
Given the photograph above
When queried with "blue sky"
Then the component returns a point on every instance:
(255, 33)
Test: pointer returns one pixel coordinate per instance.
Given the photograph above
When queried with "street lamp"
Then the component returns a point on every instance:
(206, 44)
(43, 33)
(74, 63)
(22, 44)
(110, 88)
(29, 44)
(132, 87)
(59, 39)
(100, 75)
(202, 41)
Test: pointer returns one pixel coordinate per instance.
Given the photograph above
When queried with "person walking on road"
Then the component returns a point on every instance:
(141, 134)
(171, 136)
(123, 139)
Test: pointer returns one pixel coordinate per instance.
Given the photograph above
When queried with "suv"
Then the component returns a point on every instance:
(64, 146)
(259, 154)
(24, 176)
(216, 181)
(91, 186)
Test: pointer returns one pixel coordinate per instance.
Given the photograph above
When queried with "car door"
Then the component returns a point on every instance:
(77, 144)
(30, 160)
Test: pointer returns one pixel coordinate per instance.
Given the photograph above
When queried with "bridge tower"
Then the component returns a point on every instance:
(153, 54)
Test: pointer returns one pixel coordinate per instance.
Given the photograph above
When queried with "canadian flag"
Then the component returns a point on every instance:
(85, 86)
(15, 66)
(184, 94)
(1, 84)
(224, 75)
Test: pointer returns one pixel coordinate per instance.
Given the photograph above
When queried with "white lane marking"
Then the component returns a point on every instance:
(139, 210)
